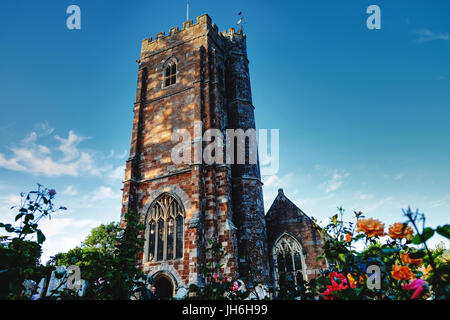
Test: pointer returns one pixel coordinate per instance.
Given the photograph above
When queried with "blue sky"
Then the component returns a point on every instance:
(363, 114)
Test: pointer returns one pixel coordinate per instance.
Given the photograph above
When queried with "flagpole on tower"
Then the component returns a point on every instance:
(240, 21)
(187, 11)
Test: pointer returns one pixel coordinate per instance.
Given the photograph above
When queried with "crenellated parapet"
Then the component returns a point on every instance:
(203, 26)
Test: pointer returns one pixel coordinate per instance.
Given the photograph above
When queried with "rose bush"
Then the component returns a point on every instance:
(405, 262)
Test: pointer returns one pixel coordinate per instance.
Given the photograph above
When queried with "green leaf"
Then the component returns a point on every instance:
(341, 257)
(19, 216)
(427, 234)
(40, 236)
(334, 219)
(416, 240)
(444, 230)
(417, 255)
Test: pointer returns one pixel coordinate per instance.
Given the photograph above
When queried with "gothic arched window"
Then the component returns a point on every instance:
(165, 222)
(288, 261)
(170, 72)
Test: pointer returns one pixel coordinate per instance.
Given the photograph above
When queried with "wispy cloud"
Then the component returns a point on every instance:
(426, 35)
(11, 164)
(376, 205)
(6, 202)
(117, 173)
(364, 196)
(445, 200)
(69, 146)
(44, 129)
(105, 193)
(113, 154)
(70, 191)
(335, 182)
(102, 194)
(31, 157)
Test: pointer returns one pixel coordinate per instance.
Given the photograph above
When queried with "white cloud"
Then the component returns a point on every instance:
(117, 173)
(426, 35)
(363, 196)
(37, 159)
(336, 181)
(44, 129)
(43, 149)
(31, 138)
(63, 234)
(441, 202)
(70, 191)
(112, 154)
(104, 193)
(273, 183)
(69, 146)
(272, 180)
(123, 154)
(10, 164)
(265, 159)
(7, 214)
(378, 204)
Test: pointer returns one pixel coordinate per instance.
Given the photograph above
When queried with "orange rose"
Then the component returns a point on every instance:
(348, 237)
(351, 280)
(408, 260)
(401, 272)
(399, 231)
(371, 227)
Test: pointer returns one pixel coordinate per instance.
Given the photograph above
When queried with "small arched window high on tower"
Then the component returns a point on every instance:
(170, 72)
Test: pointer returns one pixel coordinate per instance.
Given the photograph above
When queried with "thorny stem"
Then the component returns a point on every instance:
(421, 239)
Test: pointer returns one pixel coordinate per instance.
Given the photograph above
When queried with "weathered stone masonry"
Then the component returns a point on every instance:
(224, 202)
(220, 202)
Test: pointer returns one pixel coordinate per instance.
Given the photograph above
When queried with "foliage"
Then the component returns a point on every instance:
(216, 287)
(107, 260)
(405, 261)
(19, 253)
(103, 238)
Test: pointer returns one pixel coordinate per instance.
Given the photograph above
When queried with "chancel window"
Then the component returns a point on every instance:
(165, 223)
(170, 73)
(288, 261)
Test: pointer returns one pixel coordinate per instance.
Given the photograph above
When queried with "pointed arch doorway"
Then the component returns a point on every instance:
(164, 287)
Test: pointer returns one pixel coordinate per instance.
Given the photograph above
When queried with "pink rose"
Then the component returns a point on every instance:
(416, 285)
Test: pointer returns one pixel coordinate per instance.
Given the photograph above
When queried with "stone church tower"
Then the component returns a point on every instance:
(196, 75)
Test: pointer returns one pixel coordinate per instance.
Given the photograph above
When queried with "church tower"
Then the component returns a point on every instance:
(195, 79)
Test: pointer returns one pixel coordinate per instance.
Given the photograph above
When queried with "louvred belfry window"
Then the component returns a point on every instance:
(165, 223)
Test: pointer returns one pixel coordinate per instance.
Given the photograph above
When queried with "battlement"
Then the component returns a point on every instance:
(203, 23)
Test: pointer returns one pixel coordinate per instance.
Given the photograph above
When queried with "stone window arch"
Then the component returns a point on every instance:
(289, 261)
(165, 229)
(170, 72)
